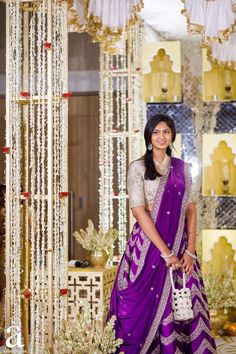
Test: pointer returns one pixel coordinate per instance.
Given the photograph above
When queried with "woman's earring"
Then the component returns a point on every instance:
(150, 146)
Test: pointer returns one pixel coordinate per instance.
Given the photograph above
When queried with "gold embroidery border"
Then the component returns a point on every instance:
(231, 64)
(95, 27)
(195, 28)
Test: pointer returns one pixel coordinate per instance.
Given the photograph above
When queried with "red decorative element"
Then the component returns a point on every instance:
(5, 149)
(3, 341)
(115, 130)
(63, 292)
(25, 195)
(64, 194)
(138, 68)
(115, 194)
(24, 94)
(128, 99)
(27, 294)
(47, 45)
(112, 67)
(67, 95)
(136, 130)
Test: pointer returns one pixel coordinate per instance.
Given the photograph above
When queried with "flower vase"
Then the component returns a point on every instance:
(218, 320)
(98, 258)
(232, 314)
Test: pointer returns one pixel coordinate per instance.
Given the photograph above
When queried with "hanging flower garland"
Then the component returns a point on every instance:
(13, 169)
(122, 120)
(37, 97)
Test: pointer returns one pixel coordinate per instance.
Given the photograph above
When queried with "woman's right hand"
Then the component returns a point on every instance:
(173, 262)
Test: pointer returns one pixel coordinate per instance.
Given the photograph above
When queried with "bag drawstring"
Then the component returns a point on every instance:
(172, 280)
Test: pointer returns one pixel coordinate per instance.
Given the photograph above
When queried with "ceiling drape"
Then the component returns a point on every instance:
(104, 20)
(215, 20)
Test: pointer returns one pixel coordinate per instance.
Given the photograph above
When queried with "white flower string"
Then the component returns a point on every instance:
(121, 113)
(106, 161)
(60, 184)
(138, 106)
(14, 118)
(32, 167)
(43, 176)
(64, 162)
(121, 128)
(38, 173)
(121, 159)
(56, 157)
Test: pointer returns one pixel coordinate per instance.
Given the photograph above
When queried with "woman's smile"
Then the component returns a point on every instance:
(161, 136)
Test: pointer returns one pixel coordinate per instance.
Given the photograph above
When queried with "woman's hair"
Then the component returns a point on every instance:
(151, 172)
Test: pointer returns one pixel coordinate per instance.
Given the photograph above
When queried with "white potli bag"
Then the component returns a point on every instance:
(181, 301)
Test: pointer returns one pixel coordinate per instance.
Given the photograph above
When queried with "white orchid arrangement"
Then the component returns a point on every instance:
(86, 336)
(93, 240)
(220, 291)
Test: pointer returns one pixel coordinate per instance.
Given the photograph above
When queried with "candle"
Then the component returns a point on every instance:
(151, 99)
(225, 173)
(164, 80)
(212, 191)
(215, 98)
(227, 78)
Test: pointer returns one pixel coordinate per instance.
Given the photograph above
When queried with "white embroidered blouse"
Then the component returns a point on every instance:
(141, 191)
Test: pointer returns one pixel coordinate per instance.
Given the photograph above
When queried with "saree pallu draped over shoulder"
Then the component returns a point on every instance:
(141, 296)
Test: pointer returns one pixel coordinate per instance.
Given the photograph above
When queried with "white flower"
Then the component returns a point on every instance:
(92, 240)
(86, 336)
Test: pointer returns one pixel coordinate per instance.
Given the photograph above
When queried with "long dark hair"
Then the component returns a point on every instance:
(151, 172)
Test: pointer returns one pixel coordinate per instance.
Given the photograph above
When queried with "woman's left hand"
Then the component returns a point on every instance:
(187, 264)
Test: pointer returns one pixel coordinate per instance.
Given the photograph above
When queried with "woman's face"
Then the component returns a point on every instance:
(161, 136)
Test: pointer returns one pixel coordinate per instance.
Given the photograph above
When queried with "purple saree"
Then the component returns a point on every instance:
(141, 296)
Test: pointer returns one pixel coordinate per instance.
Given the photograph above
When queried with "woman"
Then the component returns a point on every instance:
(164, 235)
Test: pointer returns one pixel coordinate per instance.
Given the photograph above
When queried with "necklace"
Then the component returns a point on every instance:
(162, 166)
(158, 163)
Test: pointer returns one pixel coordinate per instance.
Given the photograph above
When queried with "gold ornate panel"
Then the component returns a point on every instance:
(219, 83)
(219, 164)
(161, 72)
(219, 248)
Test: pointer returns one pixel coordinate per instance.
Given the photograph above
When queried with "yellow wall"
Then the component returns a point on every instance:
(210, 237)
(172, 48)
(211, 141)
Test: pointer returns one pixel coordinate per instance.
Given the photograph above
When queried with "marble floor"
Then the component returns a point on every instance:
(226, 345)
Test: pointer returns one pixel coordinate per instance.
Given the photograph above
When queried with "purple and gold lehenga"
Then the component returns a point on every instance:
(141, 296)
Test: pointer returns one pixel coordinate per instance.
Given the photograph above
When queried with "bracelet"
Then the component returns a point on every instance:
(191, 254)
(168, 256)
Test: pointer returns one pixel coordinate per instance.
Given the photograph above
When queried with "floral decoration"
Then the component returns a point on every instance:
(220, 291)
(93, 240)
(84, 335)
